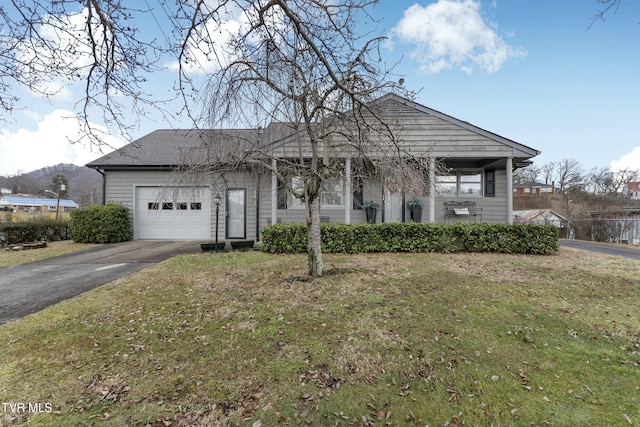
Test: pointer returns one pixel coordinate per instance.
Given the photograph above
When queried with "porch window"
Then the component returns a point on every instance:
(331, 195)
(467, 183)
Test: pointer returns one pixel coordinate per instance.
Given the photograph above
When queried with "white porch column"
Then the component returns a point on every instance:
(274, 194)
(509, 190)
(347, 191)
(432, 190)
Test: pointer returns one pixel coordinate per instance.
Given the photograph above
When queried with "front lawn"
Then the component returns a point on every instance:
(11, 258)
(382, 339)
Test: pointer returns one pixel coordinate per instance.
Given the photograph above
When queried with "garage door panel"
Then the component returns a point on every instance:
(172, 213)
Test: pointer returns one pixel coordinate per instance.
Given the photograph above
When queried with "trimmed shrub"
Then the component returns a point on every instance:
(414, 237)
(100, 224)
(285, 238)
(12, 233)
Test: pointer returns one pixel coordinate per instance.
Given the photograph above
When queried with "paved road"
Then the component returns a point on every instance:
(626, 252)
(28, 288)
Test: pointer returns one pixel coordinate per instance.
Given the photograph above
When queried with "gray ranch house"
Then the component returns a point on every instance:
(167, 202)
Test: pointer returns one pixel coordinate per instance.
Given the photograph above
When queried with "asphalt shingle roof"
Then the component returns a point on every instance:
(175, 147)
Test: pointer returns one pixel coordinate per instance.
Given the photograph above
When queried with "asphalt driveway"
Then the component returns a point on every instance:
(615, 250)
(28, 288)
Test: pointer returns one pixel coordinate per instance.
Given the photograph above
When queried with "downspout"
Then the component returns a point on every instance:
(509, 171)
(104, 186)
(432, 190)
(348, 192)
(257, 206)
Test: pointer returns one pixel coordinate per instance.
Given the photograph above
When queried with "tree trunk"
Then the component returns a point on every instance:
(314, 243)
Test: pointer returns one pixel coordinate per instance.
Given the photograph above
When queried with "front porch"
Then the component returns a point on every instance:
(484, 183)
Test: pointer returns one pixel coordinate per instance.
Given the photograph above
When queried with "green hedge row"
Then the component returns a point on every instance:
(414, 237)
(100, 224)
(12, 233)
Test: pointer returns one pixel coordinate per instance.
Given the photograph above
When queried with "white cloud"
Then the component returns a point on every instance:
(210, 46)
(49, 144)
(452, 33)
(207, 50)
(62, 58)
(627, 161)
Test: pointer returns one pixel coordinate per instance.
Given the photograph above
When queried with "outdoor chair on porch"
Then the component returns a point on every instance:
(460, 210)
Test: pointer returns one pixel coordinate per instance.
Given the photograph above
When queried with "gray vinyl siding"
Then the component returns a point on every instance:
(120, 188)
(494, 209)
(424, 135)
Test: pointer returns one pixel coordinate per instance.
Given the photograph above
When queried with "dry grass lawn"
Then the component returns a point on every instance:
(384, 339)
(10, 258)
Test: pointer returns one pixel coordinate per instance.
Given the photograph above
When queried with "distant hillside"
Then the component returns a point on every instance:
(85, 185)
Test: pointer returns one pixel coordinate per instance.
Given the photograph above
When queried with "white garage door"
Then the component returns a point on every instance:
(172, 213)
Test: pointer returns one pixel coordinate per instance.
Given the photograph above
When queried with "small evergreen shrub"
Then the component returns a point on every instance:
(100, 224)
(414, 237)
(12, 233)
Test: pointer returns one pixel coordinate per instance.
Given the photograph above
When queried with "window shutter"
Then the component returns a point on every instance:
(490, 183)
(282, 196)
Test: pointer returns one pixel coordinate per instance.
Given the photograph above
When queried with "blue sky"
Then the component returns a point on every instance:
(528, 70)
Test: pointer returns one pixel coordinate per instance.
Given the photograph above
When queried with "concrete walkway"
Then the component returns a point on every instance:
(28, 288)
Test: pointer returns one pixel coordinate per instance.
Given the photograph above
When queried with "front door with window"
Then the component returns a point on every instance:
(236, 213)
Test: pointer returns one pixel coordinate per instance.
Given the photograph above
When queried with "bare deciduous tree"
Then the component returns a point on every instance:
(528, 174)
(600, 181)
(45, 46)
(607, 7)
(568, 174)
(303, 64)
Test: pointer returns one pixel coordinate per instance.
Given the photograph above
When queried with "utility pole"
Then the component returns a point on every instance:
(60, 188)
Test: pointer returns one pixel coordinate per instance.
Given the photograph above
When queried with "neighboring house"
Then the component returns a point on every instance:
(631, 190)
(5, 191)
(543, 217)
(539, 217)
(534, 188)
(145, 177)
(35, 204)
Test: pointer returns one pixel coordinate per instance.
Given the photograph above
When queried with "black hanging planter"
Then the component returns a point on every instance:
(416, 213)
(415, 209)
(371, 208)
(371, 215)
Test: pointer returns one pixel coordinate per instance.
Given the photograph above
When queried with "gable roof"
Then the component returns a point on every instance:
(633, 186)
(521, 150)
(532, 185)
(171, 148)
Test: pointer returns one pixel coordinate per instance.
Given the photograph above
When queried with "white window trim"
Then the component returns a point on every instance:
(458, 173)
(296, 203)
